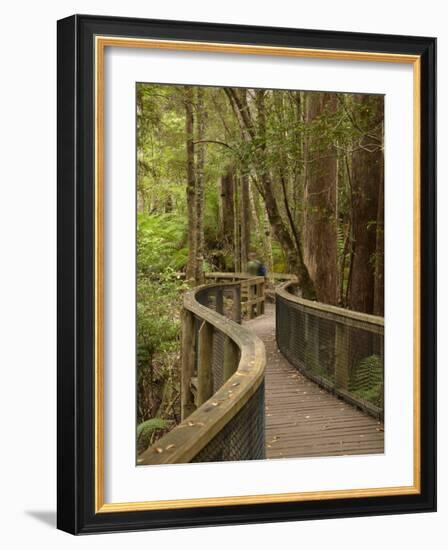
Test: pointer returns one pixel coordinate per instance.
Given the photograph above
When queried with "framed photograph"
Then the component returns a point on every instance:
(246, 274)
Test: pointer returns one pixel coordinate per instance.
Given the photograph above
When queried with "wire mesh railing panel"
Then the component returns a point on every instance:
(242, 438)
(342, 355)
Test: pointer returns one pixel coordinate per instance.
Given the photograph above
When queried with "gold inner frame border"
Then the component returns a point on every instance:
(101, 42)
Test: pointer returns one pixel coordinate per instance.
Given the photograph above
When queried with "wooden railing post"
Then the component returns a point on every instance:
(236, 306)
(205, 357)
(250, 296)
(260, 297)
(188, 357)
(341, 368)
(219, 301)
(230, 359)
(244, 298)
(263, 290)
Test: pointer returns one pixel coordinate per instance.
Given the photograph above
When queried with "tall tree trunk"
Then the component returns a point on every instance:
(237, 225)
(140, 202)
(367, 176)
(191, 186)
(228, 212)
(320, 236)
(260, 215)
(200, 187)
(378, 305)
(245, 221)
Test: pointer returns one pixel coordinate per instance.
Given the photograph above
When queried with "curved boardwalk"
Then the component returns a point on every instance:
(302, 419)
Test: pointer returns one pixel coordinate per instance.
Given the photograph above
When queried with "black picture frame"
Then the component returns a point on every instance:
(76, 255)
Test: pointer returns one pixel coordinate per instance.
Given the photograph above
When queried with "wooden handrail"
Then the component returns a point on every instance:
(252, 290)
(198, 428)
(348, 317)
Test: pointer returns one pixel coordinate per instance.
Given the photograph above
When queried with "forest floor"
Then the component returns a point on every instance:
(304, 420)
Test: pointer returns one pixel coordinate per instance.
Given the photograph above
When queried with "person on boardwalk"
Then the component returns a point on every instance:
(255, 267)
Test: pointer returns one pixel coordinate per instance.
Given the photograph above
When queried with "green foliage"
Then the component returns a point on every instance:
(158, 322)
(147, 429)
(278, 258)
(367, 382)
(160, 253)
(158, 333)
(160, 242)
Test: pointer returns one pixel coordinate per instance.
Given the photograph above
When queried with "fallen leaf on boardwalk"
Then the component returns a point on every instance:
(170, 447)
(159, 450)
(307, 416)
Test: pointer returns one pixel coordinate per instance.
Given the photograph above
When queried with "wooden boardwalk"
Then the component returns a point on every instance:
(302, 419)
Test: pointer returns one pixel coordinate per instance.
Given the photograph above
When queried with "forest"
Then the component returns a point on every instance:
(292, 179)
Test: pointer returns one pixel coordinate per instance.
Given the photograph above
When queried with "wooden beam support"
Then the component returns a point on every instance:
(219, 301)
(188, 359)
(231, 359)
(205, 358)
(342, 364)
(236, 306)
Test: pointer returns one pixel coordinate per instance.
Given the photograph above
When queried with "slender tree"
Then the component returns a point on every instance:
(191, 185)
(200, 186)
(378, 305)
(228, 210)
(245, 221)
(263, 227)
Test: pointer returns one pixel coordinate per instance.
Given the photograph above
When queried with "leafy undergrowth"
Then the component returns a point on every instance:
(367, 383)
